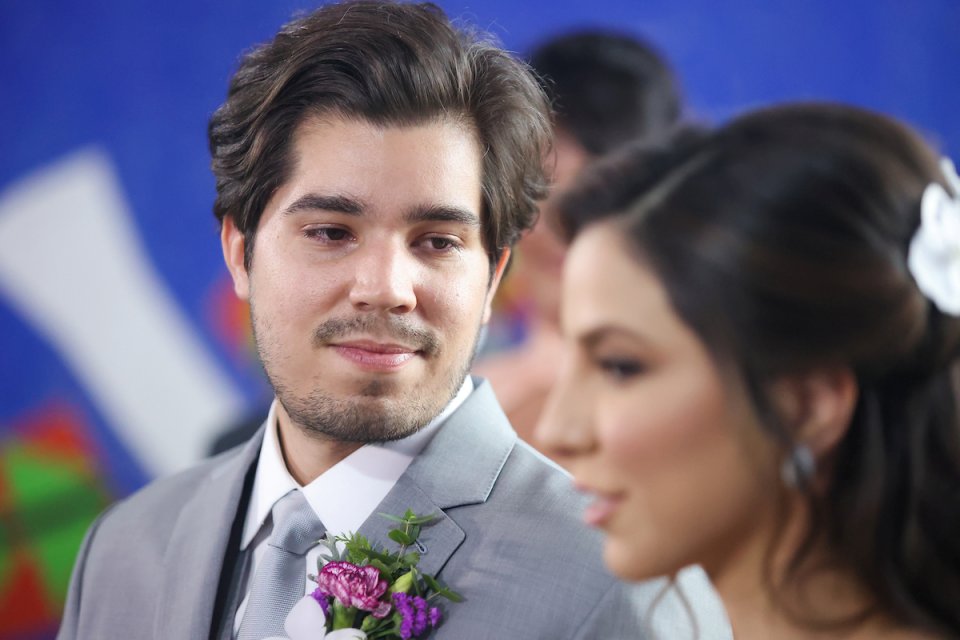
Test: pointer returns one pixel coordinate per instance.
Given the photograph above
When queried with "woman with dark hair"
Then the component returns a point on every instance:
(763, 326)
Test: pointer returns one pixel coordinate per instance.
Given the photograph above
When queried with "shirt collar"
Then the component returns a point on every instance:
(345, 495)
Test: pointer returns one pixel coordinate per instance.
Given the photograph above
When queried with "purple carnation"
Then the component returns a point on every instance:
(415, 616)
(420, 617)
(321, 597)
(353, 586)
(402, 603)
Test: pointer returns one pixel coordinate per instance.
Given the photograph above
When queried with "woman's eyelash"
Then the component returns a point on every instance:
(621, 368)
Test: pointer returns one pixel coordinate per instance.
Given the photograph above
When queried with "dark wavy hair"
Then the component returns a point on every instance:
(607, 88)
(781, 239)
(391, 64)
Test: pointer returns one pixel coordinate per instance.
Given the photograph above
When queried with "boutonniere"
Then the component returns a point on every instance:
(365, 593)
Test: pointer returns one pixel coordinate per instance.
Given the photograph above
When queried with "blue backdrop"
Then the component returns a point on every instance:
(116, 94)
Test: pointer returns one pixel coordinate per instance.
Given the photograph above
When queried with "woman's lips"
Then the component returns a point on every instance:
(601, 508)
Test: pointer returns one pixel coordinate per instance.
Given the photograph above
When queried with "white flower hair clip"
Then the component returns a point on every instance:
(934, 255)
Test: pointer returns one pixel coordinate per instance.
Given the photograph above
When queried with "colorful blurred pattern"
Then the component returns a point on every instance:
(50, 492)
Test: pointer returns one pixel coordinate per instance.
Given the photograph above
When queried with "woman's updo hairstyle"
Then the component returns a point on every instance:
(782, 241)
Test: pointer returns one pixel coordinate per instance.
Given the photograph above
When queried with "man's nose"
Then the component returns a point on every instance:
(385, 279)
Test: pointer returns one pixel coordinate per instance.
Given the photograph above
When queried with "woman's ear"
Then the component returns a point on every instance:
(234, 246)
(817, 406)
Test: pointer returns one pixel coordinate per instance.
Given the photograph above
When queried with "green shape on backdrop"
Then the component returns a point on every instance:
(53, 504)
(6, 534)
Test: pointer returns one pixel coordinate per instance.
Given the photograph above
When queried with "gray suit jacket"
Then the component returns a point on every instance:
(507, 538)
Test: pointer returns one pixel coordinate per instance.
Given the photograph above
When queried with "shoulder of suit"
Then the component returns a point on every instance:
(528, 466)
(527, 452)
(155, 506)
(533, 489)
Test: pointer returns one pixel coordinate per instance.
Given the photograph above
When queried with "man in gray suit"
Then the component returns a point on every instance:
(374, 166)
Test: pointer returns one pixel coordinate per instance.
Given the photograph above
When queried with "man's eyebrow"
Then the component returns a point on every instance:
(318, 202)
(444, 213)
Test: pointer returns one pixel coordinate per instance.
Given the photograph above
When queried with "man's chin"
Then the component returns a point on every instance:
(360, 419)
(370, 409)
(380, 389)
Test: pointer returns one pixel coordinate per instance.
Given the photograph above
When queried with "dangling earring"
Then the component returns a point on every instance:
(799, 467)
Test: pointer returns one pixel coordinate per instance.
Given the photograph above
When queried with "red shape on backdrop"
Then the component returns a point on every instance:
(23, 604)
(229, 318)
(58, 431)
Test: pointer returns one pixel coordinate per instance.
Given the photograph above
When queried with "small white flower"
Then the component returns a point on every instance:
(934, 257)
(346, 634)
(307, 622)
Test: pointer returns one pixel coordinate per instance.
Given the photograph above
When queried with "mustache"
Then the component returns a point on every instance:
(383, 327)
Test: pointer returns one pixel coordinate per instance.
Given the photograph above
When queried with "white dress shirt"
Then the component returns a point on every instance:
(343, 497)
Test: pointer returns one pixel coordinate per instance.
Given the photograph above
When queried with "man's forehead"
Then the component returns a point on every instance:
(456, 120)
(425, 170)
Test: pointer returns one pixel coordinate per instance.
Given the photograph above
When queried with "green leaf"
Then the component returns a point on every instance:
(423, 519)
(388, 632)
(400, 537)
(441, 591)
(431, 582)
(391, 518)
(386, 558)
(388, 628)
(451, 595)
(417, 584)
(410, 518)
(354, 541)
(385, 570)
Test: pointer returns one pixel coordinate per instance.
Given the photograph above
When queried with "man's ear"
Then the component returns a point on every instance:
(818, 406)
(495, 283)
(234, 246)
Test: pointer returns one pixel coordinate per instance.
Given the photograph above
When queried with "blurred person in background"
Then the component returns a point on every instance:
(763, 331)
(606, 89)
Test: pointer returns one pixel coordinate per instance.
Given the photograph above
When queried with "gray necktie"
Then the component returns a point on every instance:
(279, 579)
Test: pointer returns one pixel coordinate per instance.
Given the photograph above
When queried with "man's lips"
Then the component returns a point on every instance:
(375, 356)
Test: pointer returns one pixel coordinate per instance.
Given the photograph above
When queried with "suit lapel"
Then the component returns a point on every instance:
(439, 539)
(194, 558)
(458, 467)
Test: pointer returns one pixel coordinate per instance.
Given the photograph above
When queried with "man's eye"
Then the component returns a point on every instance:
(330, 234)
(441, 243)
(621, 369)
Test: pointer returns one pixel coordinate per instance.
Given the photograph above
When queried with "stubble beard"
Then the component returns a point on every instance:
(374, 413)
